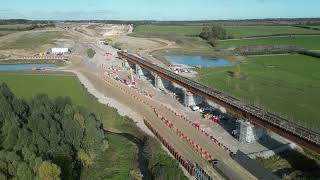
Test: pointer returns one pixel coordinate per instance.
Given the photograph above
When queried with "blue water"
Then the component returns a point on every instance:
(16, 67)
(198, 61)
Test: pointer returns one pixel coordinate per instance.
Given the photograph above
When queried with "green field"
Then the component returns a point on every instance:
(15, 26)
(286, 84)
(9, 29)
(26, 86)
(185, 36)
(236, 31)
(6, 32)
(308, 42)
(168, 30)
(248, 31)
(33, 40)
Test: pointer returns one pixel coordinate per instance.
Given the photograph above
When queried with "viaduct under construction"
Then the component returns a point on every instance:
(298, 134)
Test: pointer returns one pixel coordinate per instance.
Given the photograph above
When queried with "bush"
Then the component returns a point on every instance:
(213, 33)
(213, 42)
(91, 53)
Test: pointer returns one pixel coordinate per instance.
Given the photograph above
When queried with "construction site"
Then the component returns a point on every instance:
(212, 135)
(210, 139)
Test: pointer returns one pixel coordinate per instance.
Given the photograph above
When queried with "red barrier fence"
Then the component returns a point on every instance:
(185, 163)
(217, 142)
(201, 151)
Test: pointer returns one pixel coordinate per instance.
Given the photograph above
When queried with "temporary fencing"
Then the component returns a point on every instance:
(214, 140)
(185, 163)
(201, 151)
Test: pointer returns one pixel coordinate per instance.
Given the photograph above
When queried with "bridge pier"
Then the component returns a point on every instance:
(249, 133)
(139, 71)
(158, 83)
(190, 99)
(125, 64)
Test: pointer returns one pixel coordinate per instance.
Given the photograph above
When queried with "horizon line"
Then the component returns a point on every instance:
(241, 19)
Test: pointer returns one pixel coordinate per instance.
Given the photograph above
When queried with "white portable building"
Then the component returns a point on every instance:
(60, 50)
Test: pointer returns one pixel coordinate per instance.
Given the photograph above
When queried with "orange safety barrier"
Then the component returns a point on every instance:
(186, 164)
(201, 130)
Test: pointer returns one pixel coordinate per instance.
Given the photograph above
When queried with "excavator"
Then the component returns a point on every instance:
(131, 82)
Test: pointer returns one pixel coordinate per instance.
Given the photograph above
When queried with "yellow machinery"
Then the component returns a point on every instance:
(206, 115)
(43, 53)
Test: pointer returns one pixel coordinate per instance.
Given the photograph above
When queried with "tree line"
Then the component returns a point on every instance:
(46, 139)
(213, 33)
(27, 28)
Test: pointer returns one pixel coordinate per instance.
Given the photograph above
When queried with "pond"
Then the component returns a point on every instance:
(198, 61)
(16, 67)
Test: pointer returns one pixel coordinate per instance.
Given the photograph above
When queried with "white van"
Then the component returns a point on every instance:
(195, 108)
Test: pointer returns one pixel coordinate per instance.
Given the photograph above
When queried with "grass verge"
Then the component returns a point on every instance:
(293, 165)
(116, 163)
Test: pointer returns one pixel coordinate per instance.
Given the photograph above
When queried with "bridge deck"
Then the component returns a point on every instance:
(292, 131)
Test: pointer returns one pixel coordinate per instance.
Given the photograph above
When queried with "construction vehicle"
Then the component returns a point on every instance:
(215, 119)
(195, 108)
(206, 115)
(131, 82)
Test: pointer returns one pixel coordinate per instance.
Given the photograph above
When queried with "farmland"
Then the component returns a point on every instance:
(235, 31)
(249, 31)
(308, 42)
(12, 28)
(167, 30)
(32, 40)
(16, 27)
(277, 83)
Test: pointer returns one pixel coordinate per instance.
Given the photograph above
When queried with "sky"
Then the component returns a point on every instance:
(157, 9)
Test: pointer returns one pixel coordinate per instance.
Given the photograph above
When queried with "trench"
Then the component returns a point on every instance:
(142, 160)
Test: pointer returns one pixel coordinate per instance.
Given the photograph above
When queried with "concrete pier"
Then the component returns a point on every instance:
(191, 99)
(125, 64)
(158, 82)
(249, 133)
(139, 71)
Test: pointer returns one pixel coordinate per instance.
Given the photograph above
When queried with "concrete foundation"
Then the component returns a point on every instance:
(248, 133)
(191, 99)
